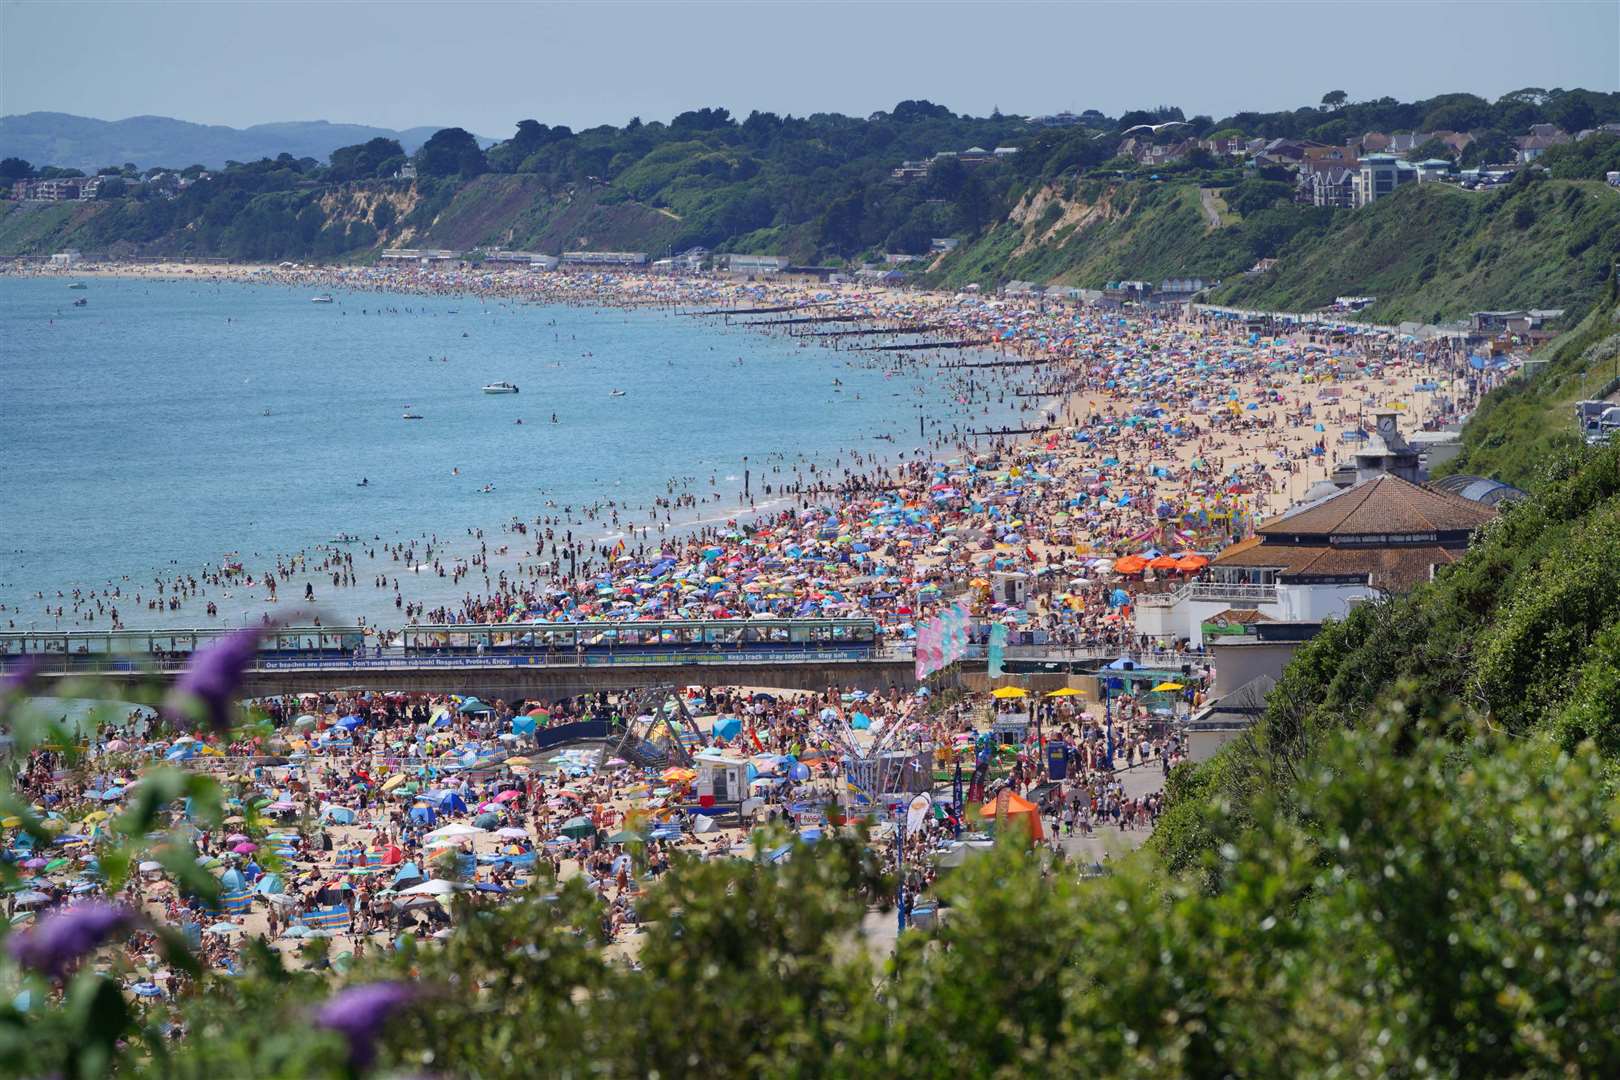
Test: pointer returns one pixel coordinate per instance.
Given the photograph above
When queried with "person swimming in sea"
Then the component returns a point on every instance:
(363, 482)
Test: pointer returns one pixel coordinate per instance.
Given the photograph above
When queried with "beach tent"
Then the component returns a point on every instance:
(1017, 813)
(727, 727)
(445, 802)
(409, 874)
(337, 815)
(523, 725)
(578, 827)
(473, 705)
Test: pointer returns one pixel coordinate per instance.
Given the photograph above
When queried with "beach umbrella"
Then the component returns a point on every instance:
(435, 887)
(224, 928)
(1006, 692)
(578, 827)
(625, 836)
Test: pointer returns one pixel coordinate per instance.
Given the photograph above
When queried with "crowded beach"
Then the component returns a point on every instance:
(1151, 440)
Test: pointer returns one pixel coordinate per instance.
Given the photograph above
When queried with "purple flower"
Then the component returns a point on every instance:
(65, 936)
(213, 679)
(359, 1013)
(21, 675)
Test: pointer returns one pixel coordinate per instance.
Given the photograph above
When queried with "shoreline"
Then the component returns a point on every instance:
(506, 553)
(1081, 387)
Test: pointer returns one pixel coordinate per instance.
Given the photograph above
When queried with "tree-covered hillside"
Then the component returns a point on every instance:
(1519, 640)
(1057, 204)
(1432, 252)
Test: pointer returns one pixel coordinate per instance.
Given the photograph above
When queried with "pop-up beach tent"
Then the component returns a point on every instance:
(1008, 810)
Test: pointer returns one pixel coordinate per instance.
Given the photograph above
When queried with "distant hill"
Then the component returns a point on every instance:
(79, 142)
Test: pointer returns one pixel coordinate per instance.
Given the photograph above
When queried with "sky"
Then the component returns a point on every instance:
(484, 66)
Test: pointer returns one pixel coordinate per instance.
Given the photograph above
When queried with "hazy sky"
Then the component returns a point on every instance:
(484, 66)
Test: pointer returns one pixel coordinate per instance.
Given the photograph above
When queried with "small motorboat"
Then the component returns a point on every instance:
(324, 298)
(411, 415)
(501, 388)
(615, 393)
(78, 285)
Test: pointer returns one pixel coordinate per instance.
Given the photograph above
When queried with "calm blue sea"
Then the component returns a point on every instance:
(137, 440)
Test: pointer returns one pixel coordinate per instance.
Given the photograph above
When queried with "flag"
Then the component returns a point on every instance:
(998, 649)
(917, 813)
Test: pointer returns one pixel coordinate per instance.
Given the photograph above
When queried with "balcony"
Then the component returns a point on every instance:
(1241, 596)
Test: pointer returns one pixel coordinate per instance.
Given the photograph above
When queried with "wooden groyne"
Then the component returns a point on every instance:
(923, 346)
(923, 329)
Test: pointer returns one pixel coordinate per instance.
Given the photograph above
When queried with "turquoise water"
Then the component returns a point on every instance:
(137, 440)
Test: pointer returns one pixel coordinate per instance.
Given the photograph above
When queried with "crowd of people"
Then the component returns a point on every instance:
(361, 816)
(1160, 433)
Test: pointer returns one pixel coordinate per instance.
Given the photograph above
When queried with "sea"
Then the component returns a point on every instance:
(170, 424)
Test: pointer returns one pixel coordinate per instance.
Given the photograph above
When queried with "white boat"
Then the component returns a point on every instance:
(78, 285)
(411, 416)
(501, 388)
(322, 299)
(616, 393)
(344, 538)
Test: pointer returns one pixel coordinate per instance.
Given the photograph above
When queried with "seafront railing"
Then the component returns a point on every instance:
(102, 664)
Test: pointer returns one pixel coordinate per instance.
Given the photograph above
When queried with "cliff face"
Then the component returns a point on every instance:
(1087, 233)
